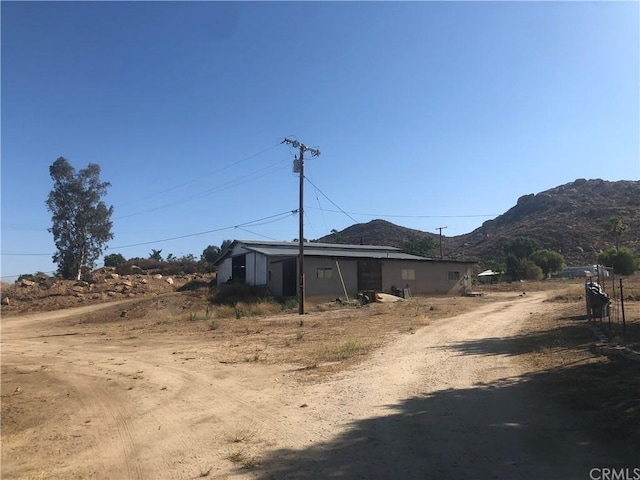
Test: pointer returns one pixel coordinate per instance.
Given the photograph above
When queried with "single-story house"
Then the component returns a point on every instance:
(330, 269)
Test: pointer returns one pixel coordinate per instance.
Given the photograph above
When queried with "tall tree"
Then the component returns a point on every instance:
(225, 244)
(616, 228)
(521, 247)
(210, 254)
(417, 245)
(548, 260)
(156, 255)
(81, 221)
(623, 260)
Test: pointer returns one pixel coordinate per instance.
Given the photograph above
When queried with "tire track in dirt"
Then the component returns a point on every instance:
(444, 403)
(156, 414)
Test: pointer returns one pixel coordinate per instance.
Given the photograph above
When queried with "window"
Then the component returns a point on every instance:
(408, 274)
(324, 272)
(454, 276)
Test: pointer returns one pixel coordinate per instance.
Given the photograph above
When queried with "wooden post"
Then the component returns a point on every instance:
(624, 323)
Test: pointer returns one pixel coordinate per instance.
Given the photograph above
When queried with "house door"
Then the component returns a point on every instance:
(289, 277)
(370, 275)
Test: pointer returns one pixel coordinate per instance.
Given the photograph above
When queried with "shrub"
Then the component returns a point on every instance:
(114, 260)
(623, 260)
(153, 266)
(548, 260)
(533, 271)
(39, 277)
(523, 269)
(233, 293)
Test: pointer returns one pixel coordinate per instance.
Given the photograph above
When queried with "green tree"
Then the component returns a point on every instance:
(548, 260)
(81, 221)
(114, 260)
(521, 247)
(623, 260)
(338, 237)
(533, 271)
(616, 228)
(496, 266)
(156, 255)
(522, 269)
(422, 246)
(210, 254)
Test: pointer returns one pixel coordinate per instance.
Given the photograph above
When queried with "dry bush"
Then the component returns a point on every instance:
(343, 350)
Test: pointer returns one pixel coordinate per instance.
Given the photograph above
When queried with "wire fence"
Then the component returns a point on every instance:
(621, 320)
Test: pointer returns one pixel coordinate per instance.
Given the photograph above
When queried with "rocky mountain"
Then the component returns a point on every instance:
(376, 232)
(572, 219)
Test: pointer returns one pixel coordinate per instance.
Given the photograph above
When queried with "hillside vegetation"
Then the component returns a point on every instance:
(572, 219)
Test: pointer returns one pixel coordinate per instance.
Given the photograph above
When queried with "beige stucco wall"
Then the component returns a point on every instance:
(327, 287)
(431, 277)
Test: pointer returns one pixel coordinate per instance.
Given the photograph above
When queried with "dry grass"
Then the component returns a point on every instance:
(242, 458)
(343, 350)
(327, 339)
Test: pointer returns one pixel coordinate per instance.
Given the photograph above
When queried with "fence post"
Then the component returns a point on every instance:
(588, 300)
(624, 323)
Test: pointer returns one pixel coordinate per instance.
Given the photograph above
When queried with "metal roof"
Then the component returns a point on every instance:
(326, 250)
(313, 249)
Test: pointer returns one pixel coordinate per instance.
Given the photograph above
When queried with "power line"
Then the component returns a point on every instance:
(257, 234)
(324, 221)
(332, 202)
(258, 222)
(217, 189)
(251, 223)
(18, 274)
(26, 254)
(255, 223)
(379, 215)
(202, 176)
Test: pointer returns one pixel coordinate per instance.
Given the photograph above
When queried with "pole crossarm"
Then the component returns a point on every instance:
(303, 148)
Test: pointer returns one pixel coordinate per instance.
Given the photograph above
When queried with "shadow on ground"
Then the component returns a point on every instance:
(558, 423)
(578, 335)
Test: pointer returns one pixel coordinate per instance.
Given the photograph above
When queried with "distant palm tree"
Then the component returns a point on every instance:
(616, 228)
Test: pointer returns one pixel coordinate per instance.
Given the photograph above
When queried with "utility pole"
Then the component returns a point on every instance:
(298, 166)
(441, 228)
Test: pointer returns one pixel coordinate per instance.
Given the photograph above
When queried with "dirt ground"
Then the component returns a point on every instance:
(500, 386)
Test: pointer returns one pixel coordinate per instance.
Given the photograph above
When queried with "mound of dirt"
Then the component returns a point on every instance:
(44, 293)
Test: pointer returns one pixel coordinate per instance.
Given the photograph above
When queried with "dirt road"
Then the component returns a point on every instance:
(449, 401)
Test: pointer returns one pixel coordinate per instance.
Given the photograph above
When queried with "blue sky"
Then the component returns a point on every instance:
(427, 114)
